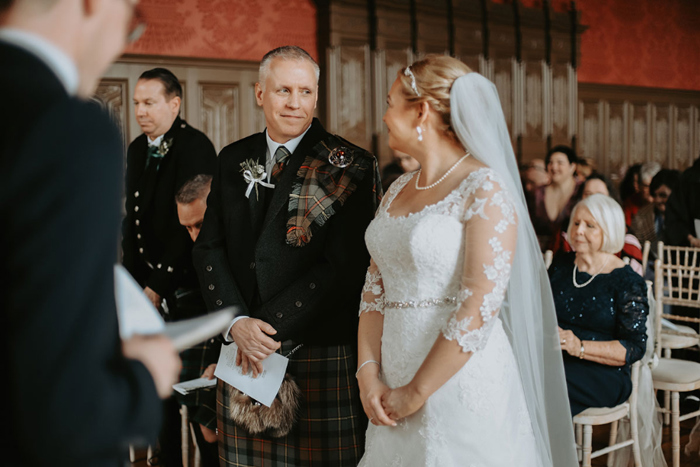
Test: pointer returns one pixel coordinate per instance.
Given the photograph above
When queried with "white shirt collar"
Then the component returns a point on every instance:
(56, 59)
(291, 145)
(154, 142)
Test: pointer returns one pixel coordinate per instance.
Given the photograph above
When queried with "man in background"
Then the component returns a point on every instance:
(157, 250)
(77, 394)
(683, 210)
(191, 202)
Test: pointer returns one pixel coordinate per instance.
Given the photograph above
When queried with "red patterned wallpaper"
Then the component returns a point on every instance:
(227, 29)
(629, 42)
(641, 43)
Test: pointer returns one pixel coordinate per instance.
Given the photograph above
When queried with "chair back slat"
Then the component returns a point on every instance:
(681, 270)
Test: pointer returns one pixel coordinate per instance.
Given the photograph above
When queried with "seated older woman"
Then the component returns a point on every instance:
(601, 307)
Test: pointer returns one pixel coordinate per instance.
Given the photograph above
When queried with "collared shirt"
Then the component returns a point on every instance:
(272, 146)
(155, 142)
(56, 59)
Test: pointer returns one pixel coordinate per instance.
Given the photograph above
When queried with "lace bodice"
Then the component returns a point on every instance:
(420, 260)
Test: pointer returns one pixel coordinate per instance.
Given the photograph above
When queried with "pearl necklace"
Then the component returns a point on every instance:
(573, 277)
(441, 179)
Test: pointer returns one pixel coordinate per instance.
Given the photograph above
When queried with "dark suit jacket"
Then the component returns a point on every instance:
(309, 294)
(158, 237)
(73, 398)
(683, 207)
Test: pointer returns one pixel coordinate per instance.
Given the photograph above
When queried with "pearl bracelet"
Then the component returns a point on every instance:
(580, 355)
(365, 363)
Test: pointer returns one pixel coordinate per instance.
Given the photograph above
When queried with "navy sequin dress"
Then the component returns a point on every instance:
(612, 307)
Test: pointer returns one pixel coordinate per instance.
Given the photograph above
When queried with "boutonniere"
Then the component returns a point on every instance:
(165, 146)
(254, 174)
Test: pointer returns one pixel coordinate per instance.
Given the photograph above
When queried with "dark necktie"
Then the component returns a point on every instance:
(154, 157)
(281, 156)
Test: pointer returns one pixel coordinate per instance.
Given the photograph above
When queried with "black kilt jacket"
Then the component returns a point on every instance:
(73, 399)
(309, 294)
(157, 250)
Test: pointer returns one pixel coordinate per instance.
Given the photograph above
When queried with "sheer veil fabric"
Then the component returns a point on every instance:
(528, 313)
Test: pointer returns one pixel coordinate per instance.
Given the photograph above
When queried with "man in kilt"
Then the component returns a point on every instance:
(283, 239)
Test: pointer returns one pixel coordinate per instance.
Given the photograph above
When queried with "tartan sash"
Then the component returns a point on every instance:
(321, 188)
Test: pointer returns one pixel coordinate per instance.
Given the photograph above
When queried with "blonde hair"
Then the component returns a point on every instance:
(434, 76)
(609, 216)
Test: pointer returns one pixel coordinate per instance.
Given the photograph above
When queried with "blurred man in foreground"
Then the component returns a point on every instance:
(78, 395)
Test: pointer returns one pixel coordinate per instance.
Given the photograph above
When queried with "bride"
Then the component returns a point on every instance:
(458, 343)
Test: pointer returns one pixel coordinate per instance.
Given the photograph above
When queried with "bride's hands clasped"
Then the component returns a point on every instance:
(372, 389)
(401, 402)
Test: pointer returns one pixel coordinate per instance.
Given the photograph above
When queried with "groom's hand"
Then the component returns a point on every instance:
(252, 336)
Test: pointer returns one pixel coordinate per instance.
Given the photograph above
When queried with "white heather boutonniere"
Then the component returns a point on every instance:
(165, 146)
(254, 174)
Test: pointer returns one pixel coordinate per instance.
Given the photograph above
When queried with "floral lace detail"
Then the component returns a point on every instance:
(458, 327)
(372, 293)
(470, 340)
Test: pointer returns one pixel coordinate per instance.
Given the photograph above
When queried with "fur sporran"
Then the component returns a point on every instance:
(277, 420)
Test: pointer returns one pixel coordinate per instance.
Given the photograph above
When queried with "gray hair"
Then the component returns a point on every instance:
(287, 52)
(609, 216)
(195, 188)
(648, 170)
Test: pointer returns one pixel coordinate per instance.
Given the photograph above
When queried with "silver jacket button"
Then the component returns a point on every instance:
(298, 304)
(211, 286)
(279, 315)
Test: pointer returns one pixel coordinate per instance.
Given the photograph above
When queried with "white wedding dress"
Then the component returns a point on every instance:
(445, 270)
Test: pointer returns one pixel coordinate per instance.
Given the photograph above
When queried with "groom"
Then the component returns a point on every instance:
(283, 239)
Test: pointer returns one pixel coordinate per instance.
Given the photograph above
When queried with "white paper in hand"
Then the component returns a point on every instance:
(137, 315)
(697, 228)
(265, 387)
(186, 387)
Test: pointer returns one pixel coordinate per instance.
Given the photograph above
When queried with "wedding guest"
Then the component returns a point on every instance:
(641, 197)
(156, 250)
(601, 307)
(535, 175)
(648, 225)
(550, 205)
(191, 201)
(401, 164)
(632, 248)
(76, 394)
(683, 209)
(584, 168)
(295, 269)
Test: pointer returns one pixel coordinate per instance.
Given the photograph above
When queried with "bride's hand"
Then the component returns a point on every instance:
(402, 402)
(371, 391)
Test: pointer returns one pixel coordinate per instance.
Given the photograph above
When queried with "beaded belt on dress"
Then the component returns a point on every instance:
(426, 303)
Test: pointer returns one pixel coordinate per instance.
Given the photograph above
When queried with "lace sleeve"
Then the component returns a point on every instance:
(632, 310)
(373, 291)
(490, 225)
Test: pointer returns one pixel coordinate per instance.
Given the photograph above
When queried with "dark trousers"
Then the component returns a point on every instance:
(170, 435)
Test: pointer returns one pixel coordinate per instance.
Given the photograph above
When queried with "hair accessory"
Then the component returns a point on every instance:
(420, 133)
(409, 73)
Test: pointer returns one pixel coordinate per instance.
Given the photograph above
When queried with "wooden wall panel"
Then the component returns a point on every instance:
(639, 125)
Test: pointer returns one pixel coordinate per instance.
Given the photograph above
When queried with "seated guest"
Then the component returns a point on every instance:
(632, 248)
(683, 208)
(641, 197)
(534, 175)
(550, 205)
(648, 225)
(601, 306)
(401, 164)
(585, 167)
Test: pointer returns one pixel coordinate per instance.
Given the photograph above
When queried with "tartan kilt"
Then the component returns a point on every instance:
(330, 428)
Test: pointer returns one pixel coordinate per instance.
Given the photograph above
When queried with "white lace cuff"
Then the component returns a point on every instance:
(470, 341)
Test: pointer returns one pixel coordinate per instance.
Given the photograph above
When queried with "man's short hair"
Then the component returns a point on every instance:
(610, 217)
(195, 188)
(287, 52)
(167, 78)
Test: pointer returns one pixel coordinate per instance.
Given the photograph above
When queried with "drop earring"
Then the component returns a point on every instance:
(420, 133)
